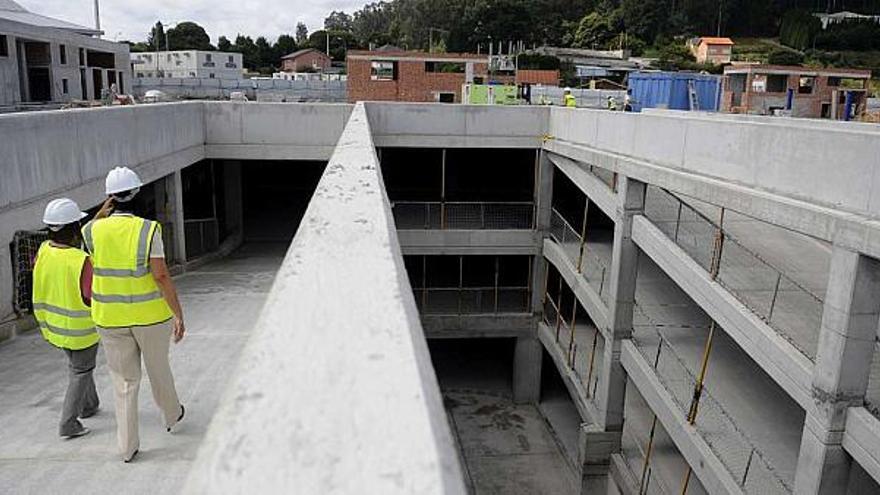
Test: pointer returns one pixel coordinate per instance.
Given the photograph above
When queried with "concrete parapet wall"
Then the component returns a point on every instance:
(829, 166)
(457, 126)
(335, 392)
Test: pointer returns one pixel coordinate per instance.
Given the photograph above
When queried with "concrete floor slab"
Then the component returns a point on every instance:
(221, 302)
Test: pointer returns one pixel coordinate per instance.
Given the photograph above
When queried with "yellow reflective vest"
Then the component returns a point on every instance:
(570, 101)
(64, 318)
(124, 293)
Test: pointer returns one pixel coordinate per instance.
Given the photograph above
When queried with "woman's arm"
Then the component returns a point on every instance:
(166, 286)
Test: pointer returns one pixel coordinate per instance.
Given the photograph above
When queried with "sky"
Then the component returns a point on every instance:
(132, 19)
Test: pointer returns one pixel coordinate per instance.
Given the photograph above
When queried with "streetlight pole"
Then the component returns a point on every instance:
(97, 18)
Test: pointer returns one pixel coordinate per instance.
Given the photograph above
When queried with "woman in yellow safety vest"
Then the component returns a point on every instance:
(61, 299)
(134, 305)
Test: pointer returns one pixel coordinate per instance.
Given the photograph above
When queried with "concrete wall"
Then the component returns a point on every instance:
(55, 153)
(68, 152)
(335, 391)
(270, 90)
(268, 131)
(457, 126)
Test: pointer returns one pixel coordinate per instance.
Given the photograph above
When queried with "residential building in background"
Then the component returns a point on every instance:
(187, 64)
(709, 50)
(838, 94)
(412, 76)
(47, 60)
(306, 60)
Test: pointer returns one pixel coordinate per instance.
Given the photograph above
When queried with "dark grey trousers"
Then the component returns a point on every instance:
(81, 399)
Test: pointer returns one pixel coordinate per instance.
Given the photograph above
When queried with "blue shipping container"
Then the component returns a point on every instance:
(670, 90)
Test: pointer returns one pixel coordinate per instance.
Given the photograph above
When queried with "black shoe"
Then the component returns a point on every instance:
(133, 455)
(179, 418)
(80, 433)
(90, 413)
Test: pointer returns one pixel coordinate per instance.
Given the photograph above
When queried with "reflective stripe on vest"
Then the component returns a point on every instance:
(64, 319)
(124, 291)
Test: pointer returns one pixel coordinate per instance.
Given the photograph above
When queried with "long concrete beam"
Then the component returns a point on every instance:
(787, 366)
(704, 463)
(335, 392)
(861, 439)
(801, 185)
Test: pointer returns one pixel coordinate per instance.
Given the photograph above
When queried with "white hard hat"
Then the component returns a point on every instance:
(62, 211)
(567, 90)
(122, 179)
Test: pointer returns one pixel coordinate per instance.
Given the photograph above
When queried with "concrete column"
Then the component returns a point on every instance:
(594, 457)
(527, 359)
(543, 200)
(843, 364)
(624, 268)
(174, 215)
(232, 194)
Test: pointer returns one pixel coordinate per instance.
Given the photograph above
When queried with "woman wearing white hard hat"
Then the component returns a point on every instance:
(61, 297)
(134, 305)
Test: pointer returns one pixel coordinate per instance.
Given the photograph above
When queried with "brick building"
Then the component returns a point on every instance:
(716, 51)
(814, 93)
(412, 76)
(306, 60)
(531, 76)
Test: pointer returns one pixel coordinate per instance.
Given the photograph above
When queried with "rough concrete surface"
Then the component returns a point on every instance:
(221, 301)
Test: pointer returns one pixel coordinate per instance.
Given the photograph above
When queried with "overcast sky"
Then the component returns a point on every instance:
(132, 19)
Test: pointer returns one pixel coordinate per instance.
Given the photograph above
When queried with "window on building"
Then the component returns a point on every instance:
(4, 46)
(446, 97)
(383, 71)
(192, 74)
(759, 83)
(140, 74)
(82, 56)
(208, 57)
(168, 58)
(834, 81)
(62, 55)
(64, 86)
(446, 67)
(231, 59)
(777, 83)
(211, 75)
(805, 85)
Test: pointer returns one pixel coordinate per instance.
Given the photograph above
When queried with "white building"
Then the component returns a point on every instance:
(49, 60)
(187, 63)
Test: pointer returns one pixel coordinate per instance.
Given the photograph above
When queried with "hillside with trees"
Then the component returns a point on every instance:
(653, 28)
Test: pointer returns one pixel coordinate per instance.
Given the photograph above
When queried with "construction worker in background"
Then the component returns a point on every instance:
(628, 101)
(568, 99)
(61, 297)
(612, 103)
(134, 305)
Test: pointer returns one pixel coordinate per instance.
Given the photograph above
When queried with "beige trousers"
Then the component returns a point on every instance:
(124, 348)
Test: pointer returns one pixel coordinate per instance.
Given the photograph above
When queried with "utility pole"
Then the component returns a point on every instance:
(720, 7)
(97, 17)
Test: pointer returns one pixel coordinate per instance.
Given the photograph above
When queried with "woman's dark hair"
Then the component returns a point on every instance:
(68, 235)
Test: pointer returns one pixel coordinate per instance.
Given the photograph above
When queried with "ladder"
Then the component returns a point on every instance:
(692, 96)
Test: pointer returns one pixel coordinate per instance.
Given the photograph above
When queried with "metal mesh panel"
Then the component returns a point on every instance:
(463, 216)
(473, 300)
(788, 307)
(593, 267)
(25, 244)
(727, 440)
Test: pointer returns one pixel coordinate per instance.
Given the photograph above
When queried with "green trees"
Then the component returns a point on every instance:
(799, 28)
(189, 36)
(302, 34)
